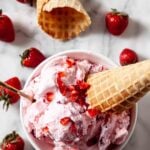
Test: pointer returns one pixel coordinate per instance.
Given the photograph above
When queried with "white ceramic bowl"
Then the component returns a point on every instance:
(79, 54)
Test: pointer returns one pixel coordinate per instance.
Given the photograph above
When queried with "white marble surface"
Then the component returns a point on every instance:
(96, 39)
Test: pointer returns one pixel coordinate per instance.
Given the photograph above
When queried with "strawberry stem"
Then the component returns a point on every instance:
(24, 55)
(6, 99)
(114, 10)
(10, 137)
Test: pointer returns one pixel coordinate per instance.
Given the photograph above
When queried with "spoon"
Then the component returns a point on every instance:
(19, 92)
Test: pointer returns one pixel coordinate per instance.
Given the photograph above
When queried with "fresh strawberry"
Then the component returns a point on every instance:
(8, 96)
(65, 121)
(32, 57)
(49, 96)
(93, 112)
(12, 141)
(7, 33)
(116, 22)
(128, 56)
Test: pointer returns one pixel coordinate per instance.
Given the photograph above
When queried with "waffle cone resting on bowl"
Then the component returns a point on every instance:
(62, 19)
(120, 88)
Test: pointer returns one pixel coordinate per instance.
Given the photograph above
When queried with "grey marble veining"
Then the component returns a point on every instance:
(96, 38)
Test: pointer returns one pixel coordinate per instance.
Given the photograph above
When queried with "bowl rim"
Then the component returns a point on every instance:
(96, 54)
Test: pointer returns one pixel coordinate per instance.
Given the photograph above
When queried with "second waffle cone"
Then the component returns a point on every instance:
(120, 88)
(62, 19)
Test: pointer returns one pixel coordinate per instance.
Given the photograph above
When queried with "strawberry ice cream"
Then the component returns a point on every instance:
(61, 116)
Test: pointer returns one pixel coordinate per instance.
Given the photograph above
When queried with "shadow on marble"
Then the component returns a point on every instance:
(141, 58)
(134, 29)
(97, 17)
(23, 81)
(28, 146)
(24, 34)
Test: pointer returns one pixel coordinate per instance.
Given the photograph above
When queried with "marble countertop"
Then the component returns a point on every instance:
(96, 38)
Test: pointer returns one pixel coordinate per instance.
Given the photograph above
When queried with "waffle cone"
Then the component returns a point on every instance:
(120, 88)
(62, 19)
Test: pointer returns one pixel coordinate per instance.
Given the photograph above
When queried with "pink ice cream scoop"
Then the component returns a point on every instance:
(61, 116)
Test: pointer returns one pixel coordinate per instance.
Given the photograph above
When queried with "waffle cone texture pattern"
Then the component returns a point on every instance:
(62, 19)
(120, 88)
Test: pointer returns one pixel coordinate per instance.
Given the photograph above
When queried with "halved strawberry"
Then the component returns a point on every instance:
(65, 121)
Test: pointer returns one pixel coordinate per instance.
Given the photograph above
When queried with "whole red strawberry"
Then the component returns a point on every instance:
(7, 32)
(12, 141)
(8, 96)
(32, 57)
(116, 22)
(128, 56)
